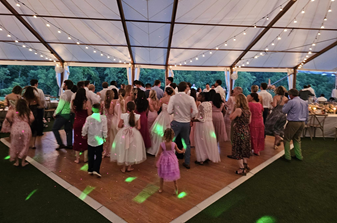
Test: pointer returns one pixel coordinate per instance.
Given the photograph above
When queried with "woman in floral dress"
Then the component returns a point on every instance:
(241, 147)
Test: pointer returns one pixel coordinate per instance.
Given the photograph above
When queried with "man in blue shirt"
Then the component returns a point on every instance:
(297, 115)
(159, 91)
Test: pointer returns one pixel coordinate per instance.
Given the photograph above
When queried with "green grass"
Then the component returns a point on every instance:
(27, 195)
(284, 192)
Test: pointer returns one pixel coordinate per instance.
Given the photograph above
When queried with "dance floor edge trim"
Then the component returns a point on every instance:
(108, 214)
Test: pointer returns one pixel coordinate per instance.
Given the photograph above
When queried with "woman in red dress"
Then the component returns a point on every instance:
(82, 109)
(256, 126)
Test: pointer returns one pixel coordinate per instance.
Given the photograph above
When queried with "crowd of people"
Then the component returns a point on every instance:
(128, 123)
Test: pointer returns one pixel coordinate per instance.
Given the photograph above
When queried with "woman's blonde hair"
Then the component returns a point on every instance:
(128, 90)
(153, 95)
(280, 90)
(121, 95)
(254, 88)
(109, 96)
(241, 102)
(168, 135)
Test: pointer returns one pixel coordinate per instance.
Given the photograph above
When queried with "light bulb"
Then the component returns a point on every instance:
(35, 16)
(281, 9)
(124, 62)
(108, 57)
(210, 52)
(78, 43)
(256, 57)
(254, 26)
(129, 63)
(50, 59)
(59, 31)
(244, 33)
(17, 4)
(114, 59)
(101, 54)
(196, 58)
(234, 39)
(175, 65)
(309, 52)
(30, 49)
(0, 29)
(261, 54)
(120, 61)
(16, 41)
(285, 30)
(247, 62)
(191, 61)
(273, 44)
(54, 61)
(180, 64)
(322, 27)
(325, 19)
(185, 62)
(24, 46)
(94, 51)
(41, 55)
(69, 37)
(225, 44)
(312, 0)
(35, 53)
(267, 18)
(310, 48)
(203, 55)
(46, 58)
(217, 48)
(86, 47)
(307, 56)
(295, 21)
(267, 49)
(243, 65)
(8, 35)
(48, 25)
(279, 37)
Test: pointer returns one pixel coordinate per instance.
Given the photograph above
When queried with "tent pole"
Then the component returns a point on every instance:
(231, 81)
(294, 78)
(132, 73)
(166, 72)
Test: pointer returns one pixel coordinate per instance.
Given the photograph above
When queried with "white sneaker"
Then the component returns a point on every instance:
(90, 173)
(97, 174)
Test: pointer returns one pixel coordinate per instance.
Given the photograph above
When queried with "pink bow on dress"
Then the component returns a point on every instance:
(128, 137)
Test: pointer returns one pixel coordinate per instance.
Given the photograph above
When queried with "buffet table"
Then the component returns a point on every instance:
(330, 125)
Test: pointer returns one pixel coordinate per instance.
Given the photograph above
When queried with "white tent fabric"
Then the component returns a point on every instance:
(137, 73)
(58, 72)
(290, 78)
(210, 34)
(129, 75)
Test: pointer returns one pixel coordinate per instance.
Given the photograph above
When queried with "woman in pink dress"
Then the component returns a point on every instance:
(153, 108)
(82, 109)
(142, 107)
(256, 126)
(218, 119)
(20, 119)
(10, 101)
(107, 108)
(128, 95)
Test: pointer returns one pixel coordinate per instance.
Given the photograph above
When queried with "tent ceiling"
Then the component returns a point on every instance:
(199, 27)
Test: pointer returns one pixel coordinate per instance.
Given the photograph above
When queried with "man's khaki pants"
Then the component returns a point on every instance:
(293, 131)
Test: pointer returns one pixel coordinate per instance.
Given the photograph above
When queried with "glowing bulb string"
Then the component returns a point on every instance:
(17, 41)
(274, 42)
(317, 36)
(77, 40)
(225, 43)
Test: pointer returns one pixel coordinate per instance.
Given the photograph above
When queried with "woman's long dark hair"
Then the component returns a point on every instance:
(255, 96)
(29, 94)
(22, 108)
(79, 100)
(211, 94)
(115, 93)
(142, 103)
(130, 106)
(217, 101)
(194, 94)
(109, 96)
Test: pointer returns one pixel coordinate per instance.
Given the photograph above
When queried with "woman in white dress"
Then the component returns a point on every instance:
(162, 122)
(128, 147)
(153, 108)
(206, 147)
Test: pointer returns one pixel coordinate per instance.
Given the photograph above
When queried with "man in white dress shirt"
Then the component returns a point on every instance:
(92, 97)
(158, 90)
(113, 85)
(184, 109)
(102, 93)
(208, 88)
(40, 111)
(321, 99)
(267, 100)
(220, 90)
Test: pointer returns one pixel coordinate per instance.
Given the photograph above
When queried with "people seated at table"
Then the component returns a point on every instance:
(321, 99)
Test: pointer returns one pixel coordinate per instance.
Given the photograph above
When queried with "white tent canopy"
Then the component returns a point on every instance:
(213, 34)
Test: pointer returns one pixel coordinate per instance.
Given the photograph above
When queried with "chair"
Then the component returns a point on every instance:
(308, 126)
(319, 124)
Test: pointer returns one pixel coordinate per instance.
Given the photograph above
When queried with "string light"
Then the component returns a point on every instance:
(101, 54)
(234, 39)
(267, 49)
(217, 48)
(108, 57)
(191, 61)
(319, 34)
(41, 55)
(285, 30)
(225, 44)
(180, 64)
(196, 58)
(309, 52)
(0, 29)
(295, 21)
(35, 53)
(8, 35)
(24, 46)
(279, 37)
(16, 41)
(185, 62)
(330, 10)
(59, 31)
(35, 16)
(314, 44)
(247, 62)
(267, 18)
(325, 19)
(203, 55)
(78, 43)
(86, 47)
(120, 61)
(273, 44)
(210, 52)
(69, 37)
(94, 51)
(303, 12)
(48, 25)
(30, 49)
(255, 26)
(244, 33)
(17, 4)
(281, 9)
(322, 27)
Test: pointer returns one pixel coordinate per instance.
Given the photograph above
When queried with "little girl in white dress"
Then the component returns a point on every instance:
(128, 147)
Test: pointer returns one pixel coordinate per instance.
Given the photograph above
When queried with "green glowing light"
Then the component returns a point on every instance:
(181, 195)
(84, 167)
(159, 130)
(31, 194)
(7, 157)
(213, 135)
(130, 179)
(184, 144)
(96, 116)
(99, 140)
(114, 145)
(266, 219)
(146, 193)
(86, 191)
(81, 153)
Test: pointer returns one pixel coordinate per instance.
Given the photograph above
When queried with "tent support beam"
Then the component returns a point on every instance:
(319, 53)
(125, 28)
(173, 19)
(31, 29)
(265, 30)
(133, 73)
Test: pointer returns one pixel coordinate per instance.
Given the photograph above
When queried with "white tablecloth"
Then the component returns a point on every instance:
(329, 127)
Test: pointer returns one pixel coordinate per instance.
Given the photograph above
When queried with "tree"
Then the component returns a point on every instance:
(4, 74)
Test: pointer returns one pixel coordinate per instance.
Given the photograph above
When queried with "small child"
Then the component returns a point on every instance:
(128, 147)
(168, 165)
(96, 128)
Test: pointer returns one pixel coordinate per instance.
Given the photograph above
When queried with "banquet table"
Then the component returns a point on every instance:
(329, 127)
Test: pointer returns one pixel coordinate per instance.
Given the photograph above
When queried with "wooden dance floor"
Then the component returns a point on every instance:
(134, 196)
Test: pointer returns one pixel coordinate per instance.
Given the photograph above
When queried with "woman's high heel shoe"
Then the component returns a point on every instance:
(243, 173)
(246, 167)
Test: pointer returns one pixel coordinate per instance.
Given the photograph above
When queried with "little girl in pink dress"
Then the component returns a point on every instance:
(168, 165)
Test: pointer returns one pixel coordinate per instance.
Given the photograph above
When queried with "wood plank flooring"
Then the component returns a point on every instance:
(139, 200)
